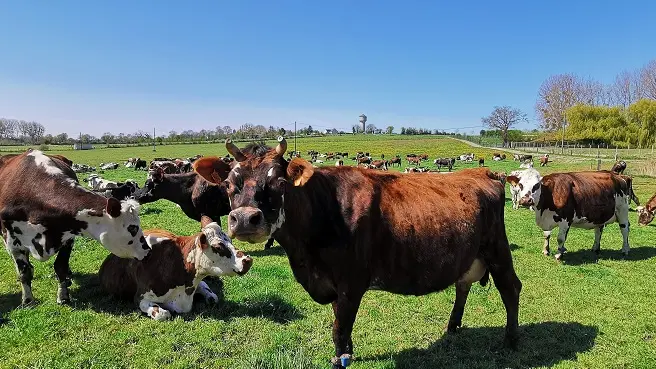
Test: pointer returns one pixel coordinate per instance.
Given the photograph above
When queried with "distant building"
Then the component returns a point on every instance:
(82, 146)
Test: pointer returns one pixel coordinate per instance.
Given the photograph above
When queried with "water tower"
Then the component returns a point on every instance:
(363, 122)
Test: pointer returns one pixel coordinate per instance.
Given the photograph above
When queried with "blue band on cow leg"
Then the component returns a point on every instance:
(341, 361)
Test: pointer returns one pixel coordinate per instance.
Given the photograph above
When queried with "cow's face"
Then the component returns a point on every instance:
(215, 254)
(119, 229)
(526, 187)
(149, 192)
(645, 215)
(256, 188)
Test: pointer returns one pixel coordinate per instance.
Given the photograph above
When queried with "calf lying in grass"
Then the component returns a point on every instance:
(167, 280)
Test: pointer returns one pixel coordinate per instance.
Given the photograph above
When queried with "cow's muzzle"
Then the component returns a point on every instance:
(247, 224)
(526, 201)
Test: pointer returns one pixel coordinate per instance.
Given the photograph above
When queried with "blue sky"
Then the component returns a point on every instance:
(96, 66)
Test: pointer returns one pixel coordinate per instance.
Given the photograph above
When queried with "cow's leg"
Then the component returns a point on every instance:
(153, 310)
(268, 244)
(545, 249)
(24, 269)
(63, 272)
(455, 321)
(204, 290)
(623, 220)
(509, 286)
(345, 309)
(597, 241)
(563, 230)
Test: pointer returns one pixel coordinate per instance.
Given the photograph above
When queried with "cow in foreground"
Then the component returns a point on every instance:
(43, 220)
(195, 196)
(588, 200)
(168, 279)
(346, 230)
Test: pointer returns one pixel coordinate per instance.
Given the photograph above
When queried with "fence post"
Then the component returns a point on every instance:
(598, 158)
(615, 152)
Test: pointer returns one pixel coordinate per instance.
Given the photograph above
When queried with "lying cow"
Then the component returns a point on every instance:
(123, 191)
(42, 220)
(619, 167)
(646, 212)
(108, 166)
(98, 183)
(521, 182)
(544, 160)
(167, 280)
(526, 164)
(141, 164)
(346, 230)
(581, 200)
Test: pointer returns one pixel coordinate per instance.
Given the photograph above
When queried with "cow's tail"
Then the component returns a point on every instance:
(632, 195)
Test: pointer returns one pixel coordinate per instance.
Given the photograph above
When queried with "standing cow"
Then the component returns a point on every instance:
(43, 220)
(589, 200)
(346, 230)
(521, 182)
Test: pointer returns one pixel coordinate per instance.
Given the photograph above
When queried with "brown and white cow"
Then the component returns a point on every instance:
(167, 280)
(588, 200)
(43, 220)
(521, 183)
(346, 230)
(544, 160)
(646, 212)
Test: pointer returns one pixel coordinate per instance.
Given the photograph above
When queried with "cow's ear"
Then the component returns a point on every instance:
(299, 171)
(113, 207)
(212, 168)
(513, 180)
(205, 220)
(202, 241)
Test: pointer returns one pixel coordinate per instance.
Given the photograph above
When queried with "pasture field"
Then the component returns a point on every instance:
(574, 314)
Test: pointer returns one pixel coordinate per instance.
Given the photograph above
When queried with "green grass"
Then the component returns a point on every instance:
(575, 314)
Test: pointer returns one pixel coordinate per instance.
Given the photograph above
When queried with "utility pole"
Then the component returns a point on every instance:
(294, 137)
(154, 139)
(562, 143)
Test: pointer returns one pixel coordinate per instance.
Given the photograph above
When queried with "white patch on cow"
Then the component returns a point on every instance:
(474, 273)
(280, 220)
(176, 299)
(66, 237)
(270, 172)
(45, 162)
(154, 240)
(27, 237)
(113, 233)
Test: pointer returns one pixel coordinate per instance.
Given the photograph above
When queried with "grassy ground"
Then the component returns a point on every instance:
(576, 314)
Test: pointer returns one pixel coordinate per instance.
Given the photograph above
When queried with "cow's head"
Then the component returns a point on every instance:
(256, 188)
(118, 228)
(645, 214)
(150, 190)
(215, 254)
(526, 186)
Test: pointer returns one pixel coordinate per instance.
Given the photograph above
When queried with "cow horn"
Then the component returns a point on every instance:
(234, 150)
(282, 146)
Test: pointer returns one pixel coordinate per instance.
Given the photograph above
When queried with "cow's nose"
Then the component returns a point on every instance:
(244, 220)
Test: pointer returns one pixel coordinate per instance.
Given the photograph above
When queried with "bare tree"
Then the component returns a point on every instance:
(625, 90)
(556, 94)
(371, 128)
(503, 118)
(31, 130)
(648, 80)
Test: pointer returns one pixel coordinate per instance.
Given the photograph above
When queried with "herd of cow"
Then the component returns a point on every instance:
(345, 229)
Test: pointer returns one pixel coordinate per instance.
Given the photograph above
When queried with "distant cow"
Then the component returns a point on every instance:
(544, 160)
(140, 164)
(619, 167)
(98, 183)
(43, 208)
(123, 191)
(423, 157)
(646, 212)
(526, 164)
(443, 162)
(582, 200)
(82, 168)
(395, 162)
(339, 163)
(466, 157)
(364, 160)
(108, 166)
(413, 160)
(522, 157)
(481, 162)
(379, 164)
(167, 280)
(347, 230)
(168, 166)
(521, 182)
(131, 162)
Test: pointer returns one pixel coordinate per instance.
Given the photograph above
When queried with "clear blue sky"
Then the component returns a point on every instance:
(96, 66)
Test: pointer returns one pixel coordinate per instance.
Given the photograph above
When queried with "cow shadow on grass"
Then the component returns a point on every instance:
(275, 250)
(151, 211)
(270, 306)
(540, 345)
(8, 302)
(587, 256)
(514, 246)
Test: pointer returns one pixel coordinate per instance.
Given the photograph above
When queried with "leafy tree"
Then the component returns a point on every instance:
(643, 115)
(503, 118)
(389, 130)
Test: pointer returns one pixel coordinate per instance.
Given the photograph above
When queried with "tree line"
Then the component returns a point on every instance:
(620, 113)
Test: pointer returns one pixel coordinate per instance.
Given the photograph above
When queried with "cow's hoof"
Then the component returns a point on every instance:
(162, 314)
(452, 328)
(63, 300)
(545, 252)
(510, 341)
(558, 256)
(212, 299)
(28, 302)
